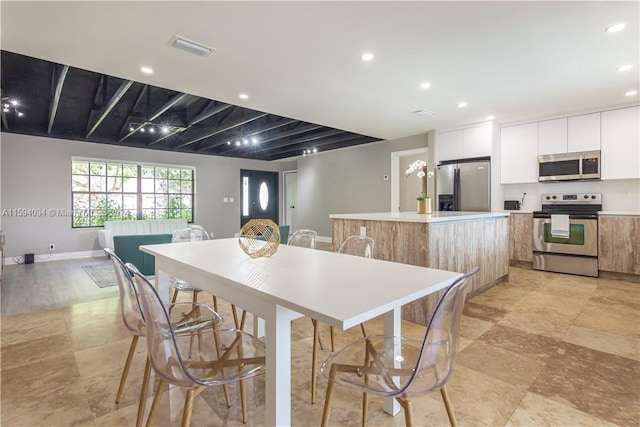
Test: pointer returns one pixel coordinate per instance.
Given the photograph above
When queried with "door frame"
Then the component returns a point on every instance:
(283, 218)
(395, 173)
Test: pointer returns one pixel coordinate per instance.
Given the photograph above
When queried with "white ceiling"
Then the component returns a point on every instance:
(512, 60)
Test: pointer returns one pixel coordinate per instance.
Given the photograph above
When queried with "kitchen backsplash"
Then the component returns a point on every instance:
(617, 195)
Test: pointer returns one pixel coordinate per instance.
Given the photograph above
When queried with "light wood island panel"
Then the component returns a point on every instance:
(619, 246)
(452, 245)
(520, 239)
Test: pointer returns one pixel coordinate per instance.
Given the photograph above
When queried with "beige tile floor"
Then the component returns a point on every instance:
(542, 349)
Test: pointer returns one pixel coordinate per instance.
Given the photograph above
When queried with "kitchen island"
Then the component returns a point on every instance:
(454, 241)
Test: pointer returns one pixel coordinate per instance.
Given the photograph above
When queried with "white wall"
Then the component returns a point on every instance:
(617, 195)
(36, 173)
(348, 180)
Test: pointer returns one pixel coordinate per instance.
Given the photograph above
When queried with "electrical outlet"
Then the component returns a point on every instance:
(363, 231)
(52, 246)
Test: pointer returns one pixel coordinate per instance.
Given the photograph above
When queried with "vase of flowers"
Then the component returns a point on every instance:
(420, 168)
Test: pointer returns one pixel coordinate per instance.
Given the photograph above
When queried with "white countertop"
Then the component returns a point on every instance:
(415, 217)
(518, 212)
(620, 213)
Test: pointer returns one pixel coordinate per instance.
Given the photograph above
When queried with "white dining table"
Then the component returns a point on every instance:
(337, 289)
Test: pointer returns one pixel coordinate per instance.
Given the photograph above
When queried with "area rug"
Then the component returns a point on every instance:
(102, 274)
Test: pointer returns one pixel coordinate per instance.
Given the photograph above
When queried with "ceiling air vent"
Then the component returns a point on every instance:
(190, 46)
(423, 112)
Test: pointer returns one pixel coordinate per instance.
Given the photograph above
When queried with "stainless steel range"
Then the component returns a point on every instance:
(565, 233)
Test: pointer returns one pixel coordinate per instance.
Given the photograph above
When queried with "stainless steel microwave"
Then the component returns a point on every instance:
(569, 166)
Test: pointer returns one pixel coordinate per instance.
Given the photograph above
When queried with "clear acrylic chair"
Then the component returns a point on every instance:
(226, 355)
(303, 238)
(179, 285)
(186, 318)
(307, 239)
(358, 246)
(402, 368)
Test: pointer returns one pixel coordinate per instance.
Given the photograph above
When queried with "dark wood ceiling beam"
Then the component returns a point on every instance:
(133, 108)
(274, 126)
(165, 136)
(279, 124)
(56, 97)
(208, 112)
(117, 96)
(157, 113)
(205, 114)
(262, 148)
(297, 131)
(233, 125)
(291, 148)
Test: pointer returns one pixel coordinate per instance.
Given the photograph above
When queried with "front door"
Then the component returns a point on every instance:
(258, 195)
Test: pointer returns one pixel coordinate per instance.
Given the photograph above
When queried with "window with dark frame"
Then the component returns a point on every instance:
(115, 191)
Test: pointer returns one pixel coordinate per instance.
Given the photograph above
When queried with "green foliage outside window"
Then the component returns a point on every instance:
(106, 191)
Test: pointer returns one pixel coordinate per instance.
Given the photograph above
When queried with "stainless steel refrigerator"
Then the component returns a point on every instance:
(464, 185)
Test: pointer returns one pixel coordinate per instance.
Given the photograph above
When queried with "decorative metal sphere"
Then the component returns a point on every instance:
(259, 238)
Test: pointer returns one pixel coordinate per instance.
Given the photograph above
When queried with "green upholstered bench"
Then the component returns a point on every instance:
(126, 246)
(284, 234)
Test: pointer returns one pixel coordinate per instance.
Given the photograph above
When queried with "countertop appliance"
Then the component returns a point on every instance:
(565, 233)
(583, 165)
(464, 185)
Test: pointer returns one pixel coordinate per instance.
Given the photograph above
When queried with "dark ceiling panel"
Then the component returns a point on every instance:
(60, 101)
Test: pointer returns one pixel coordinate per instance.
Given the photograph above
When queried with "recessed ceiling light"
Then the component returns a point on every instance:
(625, 67)
(243, 96)
(367, 56)
(254, 140)
(238, 143)
(146, 70)
(228, 142)
(462, 104)
(631, 93)
(315, 150)
(490, 118)
(425, 85)
(615, 28)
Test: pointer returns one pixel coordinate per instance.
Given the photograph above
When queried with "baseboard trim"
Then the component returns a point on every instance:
(527, 265)
(629, 277)
(57, 257)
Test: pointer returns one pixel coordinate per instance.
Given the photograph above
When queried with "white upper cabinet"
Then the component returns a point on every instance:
(552, 137)
(620, 156)
(584, 133)
(478, 141)
(450, 145)
(519, 154)
(465, 143)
